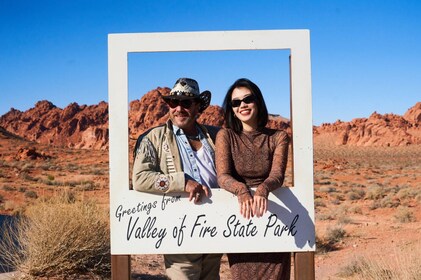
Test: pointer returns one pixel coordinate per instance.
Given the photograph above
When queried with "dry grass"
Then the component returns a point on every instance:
(59, 237)
(405, 264)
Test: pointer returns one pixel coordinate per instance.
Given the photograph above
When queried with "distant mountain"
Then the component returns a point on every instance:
(86, 127)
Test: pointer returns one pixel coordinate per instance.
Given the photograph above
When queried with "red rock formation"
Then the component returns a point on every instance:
(74, 126)
(83, 126)
(30, 153)
(377, 130)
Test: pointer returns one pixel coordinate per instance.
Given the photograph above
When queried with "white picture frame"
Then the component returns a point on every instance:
(140, 224)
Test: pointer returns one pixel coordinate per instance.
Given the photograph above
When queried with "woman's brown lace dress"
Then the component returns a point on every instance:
(253, 159)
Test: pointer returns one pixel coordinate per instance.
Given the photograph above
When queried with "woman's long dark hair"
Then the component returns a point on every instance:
(234, 123)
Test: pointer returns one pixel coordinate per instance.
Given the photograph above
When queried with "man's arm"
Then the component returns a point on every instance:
(147, 174)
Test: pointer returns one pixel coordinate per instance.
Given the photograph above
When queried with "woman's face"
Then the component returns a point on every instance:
(244, 107)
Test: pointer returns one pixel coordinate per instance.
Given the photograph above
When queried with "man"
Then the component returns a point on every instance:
(179, 157)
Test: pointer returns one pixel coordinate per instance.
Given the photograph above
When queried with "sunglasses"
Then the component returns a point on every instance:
(248, 99)
(174, 103)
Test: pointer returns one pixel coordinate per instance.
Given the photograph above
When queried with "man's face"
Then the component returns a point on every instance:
(183, 114)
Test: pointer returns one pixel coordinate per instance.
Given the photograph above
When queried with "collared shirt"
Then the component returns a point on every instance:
(200, 165)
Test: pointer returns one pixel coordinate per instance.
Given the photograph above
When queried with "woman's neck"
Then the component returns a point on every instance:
(248, 127)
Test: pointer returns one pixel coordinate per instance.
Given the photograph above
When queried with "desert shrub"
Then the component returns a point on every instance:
(335, 234)
(406, 264)
(322, 246)
(50, 177)
(22, 189)
(344, 219)
(87, 186)
(353, 195)
(324, 217)
(405, 193)
(375, 192)
(58, 238)
(327, 189)
(9, 188)
(1, 198)
(389, 202)
(27, 167)
(355, 209)
(354, 268)
(374, 205)
(31, 194)
(319, 202)
(404, 215)
(26, 176)
(330, 241)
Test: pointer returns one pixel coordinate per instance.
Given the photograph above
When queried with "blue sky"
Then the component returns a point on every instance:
(365, 55)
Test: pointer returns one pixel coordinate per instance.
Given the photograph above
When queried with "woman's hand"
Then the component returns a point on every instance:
(246, 205)
(260, 205)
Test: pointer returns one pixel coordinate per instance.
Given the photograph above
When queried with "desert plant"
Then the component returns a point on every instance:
(9, 188)
(31, 194)
(406, 264)
(404, 215)
(58, 238)
(335, 234)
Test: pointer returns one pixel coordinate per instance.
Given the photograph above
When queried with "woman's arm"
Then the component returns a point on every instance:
(225, 168)
(279, 164)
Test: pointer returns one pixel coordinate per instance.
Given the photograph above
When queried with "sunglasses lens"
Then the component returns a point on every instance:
(237, 102)
(173, 103)
(249, 99)
(186, 104)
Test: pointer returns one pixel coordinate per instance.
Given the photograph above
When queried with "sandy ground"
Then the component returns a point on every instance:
(366, 192)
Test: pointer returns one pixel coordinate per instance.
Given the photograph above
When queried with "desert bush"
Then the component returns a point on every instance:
(26, 176)
(335, 234)
(356, 209)
(324, 217)
(374, 205)
(322, 246)
(27, 167)
(330, 241)
(31, 194)
(375, 192)
(58, 238)
(389, 202)
(406, 264)
(353, 195)
(9, 188)
(404, 215)
(406, 193)
(1, 198)
(319, 202)
(327, 189)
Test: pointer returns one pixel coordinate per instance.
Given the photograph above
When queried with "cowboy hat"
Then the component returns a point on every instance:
(186, 88)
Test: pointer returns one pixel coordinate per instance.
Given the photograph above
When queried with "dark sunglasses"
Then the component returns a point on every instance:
(248, 99)
(174, 103)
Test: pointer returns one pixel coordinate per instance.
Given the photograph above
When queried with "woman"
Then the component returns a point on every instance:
(249, 155)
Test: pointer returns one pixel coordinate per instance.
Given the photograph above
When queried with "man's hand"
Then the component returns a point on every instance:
(196, 190)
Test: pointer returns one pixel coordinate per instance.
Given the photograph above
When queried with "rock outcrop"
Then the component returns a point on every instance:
(82, 126)
(377, 130)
